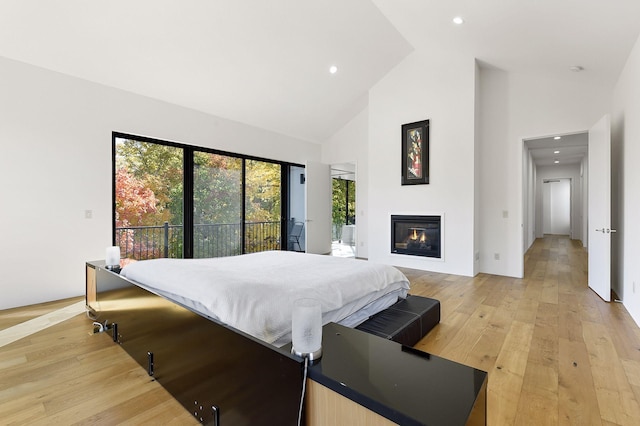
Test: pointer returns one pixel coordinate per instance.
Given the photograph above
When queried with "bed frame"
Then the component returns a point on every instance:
(221, 375)
(196, 358)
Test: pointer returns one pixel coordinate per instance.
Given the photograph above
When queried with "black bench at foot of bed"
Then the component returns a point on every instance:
(405, 322)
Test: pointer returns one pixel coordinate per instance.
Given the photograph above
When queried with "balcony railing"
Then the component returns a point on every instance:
(209, 240)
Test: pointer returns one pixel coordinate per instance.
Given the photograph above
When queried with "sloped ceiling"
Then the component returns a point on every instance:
(265, 63)
(541, 36)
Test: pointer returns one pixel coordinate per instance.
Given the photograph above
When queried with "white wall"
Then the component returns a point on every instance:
(438, 86)
(56, 163)
(571, 172)
(516, 107)
(625, 156)
(496, 232)
(350, 145)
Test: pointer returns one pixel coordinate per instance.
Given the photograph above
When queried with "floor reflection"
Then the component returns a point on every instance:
(342, 250)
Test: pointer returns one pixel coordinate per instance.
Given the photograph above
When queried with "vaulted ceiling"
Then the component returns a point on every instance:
(266, 63)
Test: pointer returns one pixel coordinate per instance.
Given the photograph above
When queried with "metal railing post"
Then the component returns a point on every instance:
(166, 239)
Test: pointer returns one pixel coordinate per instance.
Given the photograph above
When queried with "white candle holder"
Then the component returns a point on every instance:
(112, 257)
(306, 329)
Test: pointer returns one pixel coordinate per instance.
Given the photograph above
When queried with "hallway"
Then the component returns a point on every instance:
(555, 352)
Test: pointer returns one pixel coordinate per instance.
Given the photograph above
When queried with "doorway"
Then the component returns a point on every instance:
(343, 210)
(592, 175)
(296, 215)
(558, 162)
(556, 207)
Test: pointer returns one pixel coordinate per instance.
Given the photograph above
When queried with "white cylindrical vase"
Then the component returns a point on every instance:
(306, 329)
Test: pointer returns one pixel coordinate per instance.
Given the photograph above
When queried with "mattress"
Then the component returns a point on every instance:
(254, 293)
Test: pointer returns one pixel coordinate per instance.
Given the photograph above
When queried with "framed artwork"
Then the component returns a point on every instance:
(415, 153)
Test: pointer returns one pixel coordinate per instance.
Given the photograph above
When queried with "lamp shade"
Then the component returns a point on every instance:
(306, 329)
(112, 257)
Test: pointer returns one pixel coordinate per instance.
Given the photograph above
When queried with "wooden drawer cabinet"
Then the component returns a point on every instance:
(90, 285)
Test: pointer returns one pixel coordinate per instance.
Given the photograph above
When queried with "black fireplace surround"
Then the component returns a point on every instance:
(416, 235)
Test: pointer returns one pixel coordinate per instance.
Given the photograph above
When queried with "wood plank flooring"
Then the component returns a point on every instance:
(15, 316)
(555, 353)
(26, 327)
(67, 375)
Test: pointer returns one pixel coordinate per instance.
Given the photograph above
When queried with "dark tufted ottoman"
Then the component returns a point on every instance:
(405, 322)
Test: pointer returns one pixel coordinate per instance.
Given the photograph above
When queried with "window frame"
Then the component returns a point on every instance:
(188, 187)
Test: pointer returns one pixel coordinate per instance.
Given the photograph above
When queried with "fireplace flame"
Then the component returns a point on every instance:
(418, 235)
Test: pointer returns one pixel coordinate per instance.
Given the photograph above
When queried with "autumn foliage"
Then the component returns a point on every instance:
(135, 203)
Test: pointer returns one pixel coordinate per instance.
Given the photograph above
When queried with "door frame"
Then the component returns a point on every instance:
(529, 180)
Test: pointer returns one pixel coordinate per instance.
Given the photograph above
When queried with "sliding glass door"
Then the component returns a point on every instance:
(173, 200)
(262, 204)
(148, 210)
(343, 207)
(217, 205)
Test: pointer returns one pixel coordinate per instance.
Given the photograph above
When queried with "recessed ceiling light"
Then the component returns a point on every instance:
(558, 137)
(333, 69)
(458, 20)
(576, 68)
(556, 152)
(557, 161)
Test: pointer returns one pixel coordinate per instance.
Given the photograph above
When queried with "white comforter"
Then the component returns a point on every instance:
(255, 292)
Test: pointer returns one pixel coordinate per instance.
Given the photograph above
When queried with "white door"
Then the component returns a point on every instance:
(557, 207)
(600, 208)
(318, 208)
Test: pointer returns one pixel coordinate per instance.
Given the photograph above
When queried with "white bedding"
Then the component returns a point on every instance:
(255, 292)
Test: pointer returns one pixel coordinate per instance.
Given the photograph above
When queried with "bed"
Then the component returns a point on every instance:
(254, 293)
(226, 376)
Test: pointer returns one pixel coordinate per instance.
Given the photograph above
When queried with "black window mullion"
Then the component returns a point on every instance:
(243, 215)
(346, 202)
(113, 191)
(188, 203)
(284, 206)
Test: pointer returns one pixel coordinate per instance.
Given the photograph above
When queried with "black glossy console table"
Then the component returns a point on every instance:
(401, 384)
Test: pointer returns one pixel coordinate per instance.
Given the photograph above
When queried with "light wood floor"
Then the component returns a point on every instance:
(555, 353)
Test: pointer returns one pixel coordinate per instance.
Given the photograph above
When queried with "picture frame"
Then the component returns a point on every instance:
(415, 153)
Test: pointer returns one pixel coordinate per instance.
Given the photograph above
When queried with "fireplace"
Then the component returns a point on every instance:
(416, 235)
